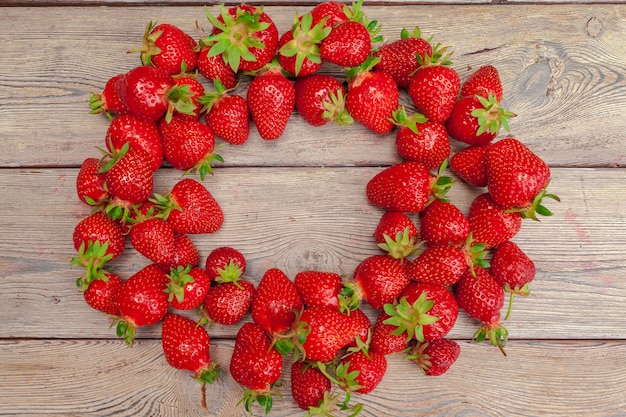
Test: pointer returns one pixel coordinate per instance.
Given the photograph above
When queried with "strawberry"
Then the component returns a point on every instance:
(365, 328)
(168, 47)
(187, 287)
(444, 223)
(420, 140)
(396, 235)
(276, 302)
(482, 298)
(441, 264)
(189, 145)
(513, 270)
(320, 98)
(186, 346)
(347, 45)
(228, 301)
(153, 238)
(109, 101)
(129, 179)
(227, 114)
(331, 12)
(142, 301)
(225, 262)
(195, 89)
(424, 311)
(319, 289)
(372, 97)
(400, 57)
(469, 164)
(213, 67)
(483, 82)
(245, 36)
(271, 98)
(298, 48)
(362, 371)
(90, 183)
(477, 120)
(384, 338)
(517, 178)
(256, 365)
(407, 187)
(184, 253)
(435, 357)
(101, 292)
(492, 224)
(309, 385)
(191, 208)
(139, 134)
(434, 87)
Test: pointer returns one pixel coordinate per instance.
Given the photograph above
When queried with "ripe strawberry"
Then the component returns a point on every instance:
(477, 120)
(191, 208)
(347, 45)
(309, 385)
(187, 287)
(167, 47)
(129, 179)
(271, 98)
(142, 301)
(108, 101)
(333, 11)
(407, 187)
(396, 234)
(90, 183)
(517, 178)
(435, 357)
(276, 302)
(424, 311)
(101, 292)
(399, 57)
(513, 270)
(189, 145)
(484, 81)
(227, 114)
(228, 301)
(492, 224)
(364, 324)
(469, 164)
(420, 140)
(186, 346)
(245, 36)
(256, 365)
(319, 289)
(190, 84)
(372, 97)
(139, 134)
(320, 98)
(226, 263)
(298, 48)
(444, 223)
(213, 67)
(153, 238)
(184, 253)
(434, 87)
(482, 298)
(384, 338)
(441, 264)
(362, 371)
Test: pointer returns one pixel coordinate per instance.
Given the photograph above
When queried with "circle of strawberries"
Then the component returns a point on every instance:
(160, 112)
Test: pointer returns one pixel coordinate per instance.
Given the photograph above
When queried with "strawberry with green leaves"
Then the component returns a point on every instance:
(319, 288)
(396, 234)
(361, 371)
(320, 98)
(90, 183)
(299, 48)
(228, 301)
(490, 223)
(225, 262)
(227, 114)
(190, 82)
(109, 101)
(310, 388)
(469, 165)
(483, 82)
(138, 134)
(100, 293)
(444, 223)
(187, 287)
(435, 357)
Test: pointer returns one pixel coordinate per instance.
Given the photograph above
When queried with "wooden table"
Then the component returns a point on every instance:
(299, 203)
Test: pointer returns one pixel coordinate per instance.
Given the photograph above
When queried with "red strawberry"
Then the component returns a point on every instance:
(347, 45)
(276, 302)
(142, 301)
(214, 68)
(492, 224)
(482, 298)
(227, 114)
(399, 58)
(245, 37)
(517, 178)
(320, 98)
(309, 385)
(372, 97)
(226, 263)
(469, 164)
(441, 264)
(154, 239)
(396, 234)
(186, 346)
(420, 140)
(365, 328)
(384, 338)
(435, 357)
(298, 48)
(271, 98)
(187, 287)
(90, 183)
(319, 289)
(424, 311)
(139, 134)
(129, 179)
(101, 292)
(184, 253)
(228, 301)
(362, 371)
(406, 187)
(166, 46)
(189, 145)
(190, 84)
(435, 86)
(444, 223)
(256, 365)
(333, 11)
(109, 100)
(513, 270)
(484, 81)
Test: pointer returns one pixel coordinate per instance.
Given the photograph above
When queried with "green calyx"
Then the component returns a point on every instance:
(126, 331)
(523, 291)
(496, 334)
(402, 245)
(148, 48)
(209, 374)
(180, 99)
(306, 41)
(164, 205)
(491, 117)
(442, 183)
(204, 167)
(178, 278)
(93, 257)
(536, 207)
(230, 273)
(335, 109)
(331, 403)
(421, 359)
(210, 98)
(264, 399)
(350, 297)
(367, 65)
(411, 318)
(476, 254)
(439, 56)
(355, 13)
(401, 118)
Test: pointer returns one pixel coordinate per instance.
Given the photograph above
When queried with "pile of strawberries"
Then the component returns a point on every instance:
(160, 112)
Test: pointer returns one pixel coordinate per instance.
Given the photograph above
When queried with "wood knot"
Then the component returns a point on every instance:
(594, 27)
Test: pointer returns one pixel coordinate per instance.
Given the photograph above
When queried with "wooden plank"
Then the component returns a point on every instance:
(315, 218)
(106, 378)
(550, 74)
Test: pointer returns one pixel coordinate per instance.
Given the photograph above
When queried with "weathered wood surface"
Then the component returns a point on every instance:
(286, 202)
